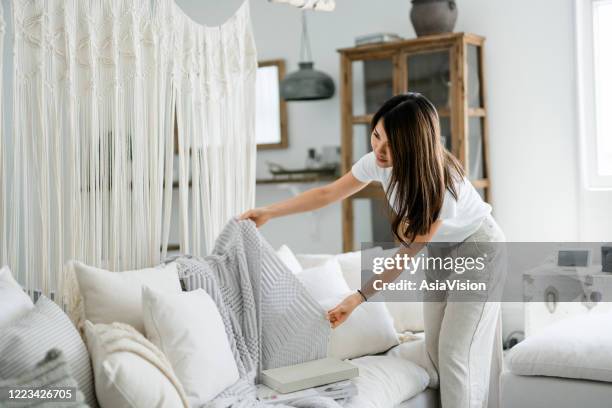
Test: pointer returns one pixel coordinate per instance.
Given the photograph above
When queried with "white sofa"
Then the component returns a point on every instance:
(565, 365)
(398, 377)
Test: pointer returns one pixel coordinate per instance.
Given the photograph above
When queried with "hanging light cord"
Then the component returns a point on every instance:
(305, 50)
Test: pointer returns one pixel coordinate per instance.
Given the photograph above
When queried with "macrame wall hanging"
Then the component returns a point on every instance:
(3, 199)
(98, 87)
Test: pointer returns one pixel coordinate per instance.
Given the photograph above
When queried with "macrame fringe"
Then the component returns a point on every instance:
(98, 86)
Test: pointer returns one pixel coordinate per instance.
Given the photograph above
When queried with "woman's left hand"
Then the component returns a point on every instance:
(340, 313)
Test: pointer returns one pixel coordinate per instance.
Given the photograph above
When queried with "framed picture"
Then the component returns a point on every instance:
(270, 108)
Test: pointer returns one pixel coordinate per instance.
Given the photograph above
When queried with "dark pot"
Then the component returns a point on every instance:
(433, 16)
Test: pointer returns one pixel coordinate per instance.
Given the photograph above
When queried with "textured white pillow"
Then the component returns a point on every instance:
(14, 303)
(286, 255)
(188, 328)
(578, 347)
(368, 330)
(116, 296)
(325, 281)
(124, 377)
(386, 382)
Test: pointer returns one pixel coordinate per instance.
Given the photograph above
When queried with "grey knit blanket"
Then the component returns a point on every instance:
(270, 319)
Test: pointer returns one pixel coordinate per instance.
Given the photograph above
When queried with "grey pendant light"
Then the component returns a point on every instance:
(306, 84)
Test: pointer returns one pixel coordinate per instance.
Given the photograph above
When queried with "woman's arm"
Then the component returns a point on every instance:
(310, 200)
(340, 313)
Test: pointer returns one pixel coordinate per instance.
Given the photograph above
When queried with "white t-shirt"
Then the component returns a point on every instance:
(460, 217)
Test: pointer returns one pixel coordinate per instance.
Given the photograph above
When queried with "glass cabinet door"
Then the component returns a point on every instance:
(372, 85)
(429, 74)
(476, 115)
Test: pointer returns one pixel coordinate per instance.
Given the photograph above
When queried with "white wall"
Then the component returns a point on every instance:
(530, 73)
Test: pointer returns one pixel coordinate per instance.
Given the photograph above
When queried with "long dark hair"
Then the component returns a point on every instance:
(422, 167)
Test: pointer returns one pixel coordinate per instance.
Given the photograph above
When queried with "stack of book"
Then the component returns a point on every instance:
(329, 377)
(339, 391)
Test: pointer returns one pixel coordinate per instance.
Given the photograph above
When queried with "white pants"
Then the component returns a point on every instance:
(463, 337)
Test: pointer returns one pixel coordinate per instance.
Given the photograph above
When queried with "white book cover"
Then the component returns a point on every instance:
(308, 375)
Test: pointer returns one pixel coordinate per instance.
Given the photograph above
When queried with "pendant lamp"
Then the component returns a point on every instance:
(306, 84)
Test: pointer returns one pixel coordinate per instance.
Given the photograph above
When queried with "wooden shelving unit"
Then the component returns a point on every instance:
(448, 69)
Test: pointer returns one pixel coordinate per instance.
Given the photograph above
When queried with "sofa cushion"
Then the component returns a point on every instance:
(287, 256)
(25, 342)
(129, 370)
(578, 347)
(116, 296)
(188, 328)
(325, 281)
(368, 330)
(51, 372)
(407, 316)
(386, 381)
(14, 303)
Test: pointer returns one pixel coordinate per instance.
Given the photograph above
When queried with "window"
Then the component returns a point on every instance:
(594, 53)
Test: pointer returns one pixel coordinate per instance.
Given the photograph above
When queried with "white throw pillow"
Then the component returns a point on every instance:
(325, 281)
(416, 352)
(129, 370)
(116, 296)
(14, 303)
(188, 328)
(407, 316)
(578, 347)
(368, 330)
(386, 382)
(308, 261)
(286, 255)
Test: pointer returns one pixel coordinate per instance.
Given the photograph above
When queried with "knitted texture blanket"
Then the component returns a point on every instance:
(270, 319)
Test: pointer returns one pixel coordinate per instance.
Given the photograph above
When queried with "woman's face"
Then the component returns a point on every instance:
(380, 146)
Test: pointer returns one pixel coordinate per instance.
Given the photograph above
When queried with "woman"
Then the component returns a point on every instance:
(432, 201)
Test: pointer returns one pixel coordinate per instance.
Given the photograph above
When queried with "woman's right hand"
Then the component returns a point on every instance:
(258, 215)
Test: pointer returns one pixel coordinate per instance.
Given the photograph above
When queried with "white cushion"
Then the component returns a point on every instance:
(368, 330)
(325, 281)
(14, 303)
(116, 296)
(385, 382)
(286, 255)
(124, 378)
(308, 261)
(188, 328)
(407, 316)
(579, 347)
(416, 351)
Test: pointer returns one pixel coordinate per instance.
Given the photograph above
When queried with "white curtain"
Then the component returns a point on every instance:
(213, 73)
(3, 204)
(97, 85)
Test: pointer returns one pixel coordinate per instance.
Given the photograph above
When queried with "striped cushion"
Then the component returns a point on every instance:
(52, 372)
(25, 342)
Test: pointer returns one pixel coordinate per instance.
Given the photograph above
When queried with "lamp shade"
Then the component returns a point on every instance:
(307, 84)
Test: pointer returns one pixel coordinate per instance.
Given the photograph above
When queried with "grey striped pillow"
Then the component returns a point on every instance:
(25, 342)
(51, 372)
